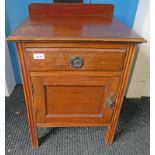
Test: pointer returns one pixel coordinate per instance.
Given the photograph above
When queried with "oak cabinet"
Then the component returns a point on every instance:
(75, 61)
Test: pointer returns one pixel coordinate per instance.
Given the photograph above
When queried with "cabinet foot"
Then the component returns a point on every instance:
(34, 137)
(110, 133)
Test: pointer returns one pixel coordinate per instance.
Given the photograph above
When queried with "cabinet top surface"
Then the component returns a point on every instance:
(64, 27)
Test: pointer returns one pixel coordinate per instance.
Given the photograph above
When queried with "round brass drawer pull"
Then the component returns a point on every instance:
(76, 62)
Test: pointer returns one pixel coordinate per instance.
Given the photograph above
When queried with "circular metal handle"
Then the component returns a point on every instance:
(76, 62)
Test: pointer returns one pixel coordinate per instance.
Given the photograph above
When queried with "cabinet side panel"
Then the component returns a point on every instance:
(121, 92)
(28, 96)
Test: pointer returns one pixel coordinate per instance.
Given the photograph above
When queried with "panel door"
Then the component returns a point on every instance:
(74, 100)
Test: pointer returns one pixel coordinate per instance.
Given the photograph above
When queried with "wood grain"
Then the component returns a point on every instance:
(59, 59)
(91, 23)
(125, 77)
(28, 97)
(71, 9)
(65, 99)
(76, 44)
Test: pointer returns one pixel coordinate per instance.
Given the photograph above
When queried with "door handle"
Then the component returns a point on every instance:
(111, 100)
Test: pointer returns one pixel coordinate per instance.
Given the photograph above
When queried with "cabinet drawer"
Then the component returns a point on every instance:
(75, 59)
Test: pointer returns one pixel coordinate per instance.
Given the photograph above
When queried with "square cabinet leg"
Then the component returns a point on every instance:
(34, 137)
(110, 133)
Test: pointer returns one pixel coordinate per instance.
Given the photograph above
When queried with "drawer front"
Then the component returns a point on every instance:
(74, 100)
(75, 59)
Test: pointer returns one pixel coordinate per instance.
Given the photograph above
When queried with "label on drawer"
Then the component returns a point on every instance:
(38, 56)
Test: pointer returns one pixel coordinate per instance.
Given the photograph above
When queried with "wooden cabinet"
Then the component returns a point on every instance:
(75, 61)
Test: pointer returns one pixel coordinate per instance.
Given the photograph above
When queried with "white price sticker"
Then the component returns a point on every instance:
(39, 56)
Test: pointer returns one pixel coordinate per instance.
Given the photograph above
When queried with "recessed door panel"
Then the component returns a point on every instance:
(74, 100)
